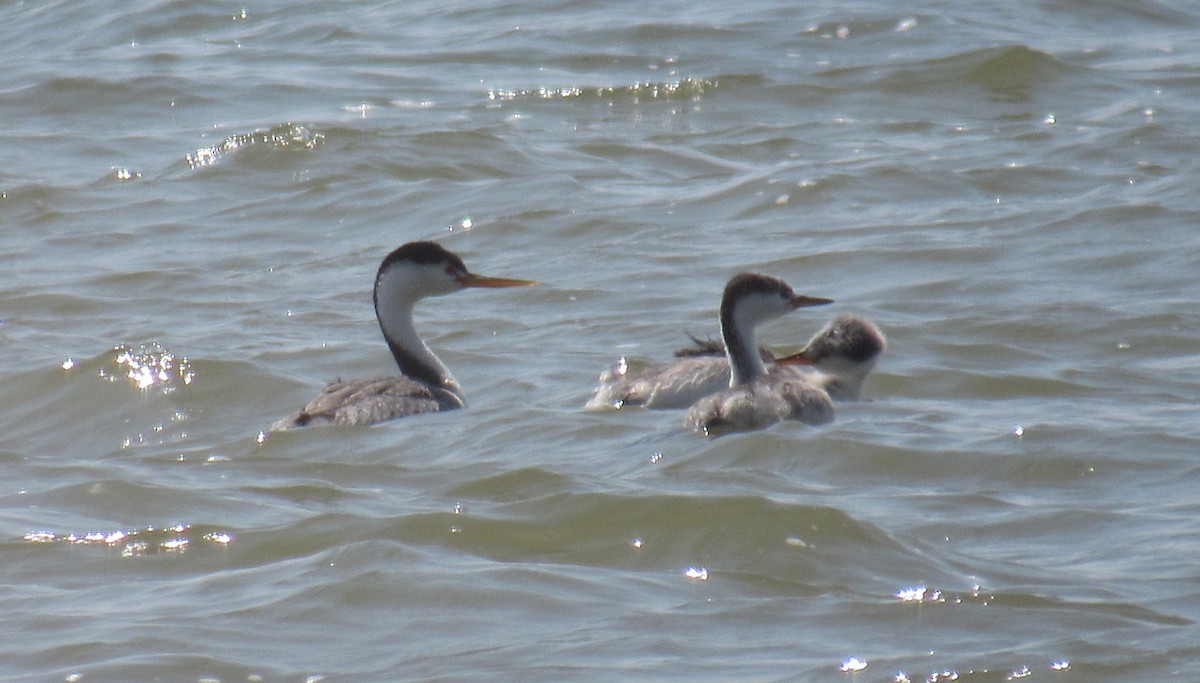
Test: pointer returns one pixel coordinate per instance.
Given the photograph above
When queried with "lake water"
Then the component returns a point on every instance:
(194, 198)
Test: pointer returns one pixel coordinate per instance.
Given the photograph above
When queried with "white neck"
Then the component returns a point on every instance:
(394, 308)
(741, 346)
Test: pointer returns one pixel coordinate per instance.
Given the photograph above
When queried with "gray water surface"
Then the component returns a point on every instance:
(194, 200)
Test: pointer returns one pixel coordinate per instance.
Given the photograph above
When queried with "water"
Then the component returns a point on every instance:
(195, 199)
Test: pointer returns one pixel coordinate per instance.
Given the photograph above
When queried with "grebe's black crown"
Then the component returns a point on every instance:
(423, 253)
(743, 284)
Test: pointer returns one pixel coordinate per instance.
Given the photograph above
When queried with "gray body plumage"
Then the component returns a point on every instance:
(368, 401)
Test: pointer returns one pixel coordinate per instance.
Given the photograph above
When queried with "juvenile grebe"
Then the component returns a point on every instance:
(841, 355)
(410, 273)
(757, 396)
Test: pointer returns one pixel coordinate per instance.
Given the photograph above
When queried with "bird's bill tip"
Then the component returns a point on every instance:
(804, 301)
(473, 280)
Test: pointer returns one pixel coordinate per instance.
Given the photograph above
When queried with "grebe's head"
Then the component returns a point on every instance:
(848, 341)
(420, 269)
(752, 298)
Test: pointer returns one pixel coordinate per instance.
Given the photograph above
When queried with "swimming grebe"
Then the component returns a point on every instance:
(839, 357)
(410, 273)
(757, 396)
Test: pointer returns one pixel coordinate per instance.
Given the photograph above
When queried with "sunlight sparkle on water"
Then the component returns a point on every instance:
(150, 365)
(133, 542)
(853, 664)
(687, 88)
(280, 137)
(620, 367)
(175, 544)
(135, 549)
(697, 573)
(920, 594)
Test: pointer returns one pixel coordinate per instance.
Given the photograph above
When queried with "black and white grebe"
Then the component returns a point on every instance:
(758, 395)
(410, 273)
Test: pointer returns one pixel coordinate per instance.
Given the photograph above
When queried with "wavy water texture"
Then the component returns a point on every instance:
(195, 202)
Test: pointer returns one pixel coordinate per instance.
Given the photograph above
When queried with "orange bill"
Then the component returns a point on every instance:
(473, 280)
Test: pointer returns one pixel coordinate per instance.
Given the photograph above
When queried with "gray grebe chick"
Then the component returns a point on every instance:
(410, 273)
(758, 396)
(841, 355)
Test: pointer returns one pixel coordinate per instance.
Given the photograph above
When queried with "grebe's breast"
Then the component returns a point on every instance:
(781, 394)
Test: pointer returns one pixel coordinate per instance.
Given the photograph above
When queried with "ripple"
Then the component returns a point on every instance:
(683, 89)
(283, 136)
(171, 538)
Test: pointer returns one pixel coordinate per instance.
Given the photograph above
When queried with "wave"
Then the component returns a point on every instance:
(283, 136)
(683, 89)
(1009, 72)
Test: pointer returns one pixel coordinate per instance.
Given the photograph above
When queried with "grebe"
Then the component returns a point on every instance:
(840, 357)
(410, 273)
(842, 354)
(758, 396)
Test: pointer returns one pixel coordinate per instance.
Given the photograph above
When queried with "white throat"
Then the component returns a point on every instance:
(396, 295)
(741, 345)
